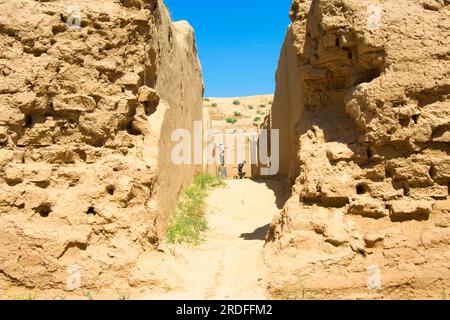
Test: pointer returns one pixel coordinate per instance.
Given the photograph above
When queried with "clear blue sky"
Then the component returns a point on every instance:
(239, 42)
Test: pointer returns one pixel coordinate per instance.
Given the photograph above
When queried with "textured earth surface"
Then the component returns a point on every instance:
(363, 105)
(90, 95)
(249, 112)
(86, 183)
(229, 264)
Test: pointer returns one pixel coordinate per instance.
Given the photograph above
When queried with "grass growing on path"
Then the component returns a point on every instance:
(189, 222)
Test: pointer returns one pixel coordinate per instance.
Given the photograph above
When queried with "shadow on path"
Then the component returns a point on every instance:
(280, 188)
(258, 234)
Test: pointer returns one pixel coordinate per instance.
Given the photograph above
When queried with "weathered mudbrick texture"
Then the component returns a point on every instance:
(363, 105)
(86, 115)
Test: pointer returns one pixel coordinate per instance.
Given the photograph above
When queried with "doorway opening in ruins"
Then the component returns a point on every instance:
(229, 263)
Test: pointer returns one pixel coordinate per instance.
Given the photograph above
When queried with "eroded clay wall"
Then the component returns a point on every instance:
(369, 216)
(288, 103)
(86, 182)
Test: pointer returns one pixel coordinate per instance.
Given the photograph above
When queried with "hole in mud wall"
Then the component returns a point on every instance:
(389, 172)
(28, 121)
(42, 184)
(82, 155)
(432, 172)
(415, 118)
(91, 211)
(132, 130)
(369, 154)
(110, 190)
(408, 217)
(406, 190)
(97, 98)
(404, 122)
(150, 107)
(440, 131)
(362, 188)
(369, 75)
(379, 103)
(43, 210)
(399, 104)
(349, 53)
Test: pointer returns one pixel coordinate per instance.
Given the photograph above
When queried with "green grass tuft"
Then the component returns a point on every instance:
(236, 102)
(88, 296)
(294, 291)
(27, 296)
(189, 222)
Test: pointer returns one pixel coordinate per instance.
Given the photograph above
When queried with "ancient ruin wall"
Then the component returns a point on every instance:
(371, 163)
(86, 182)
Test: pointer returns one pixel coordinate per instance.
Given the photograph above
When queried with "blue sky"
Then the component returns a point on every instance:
(239, 42)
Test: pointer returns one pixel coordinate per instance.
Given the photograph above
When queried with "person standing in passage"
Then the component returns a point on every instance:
(221, 154)
(241, 169)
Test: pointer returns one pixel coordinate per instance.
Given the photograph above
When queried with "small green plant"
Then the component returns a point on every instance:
(230, 120)
(251, 107)
(27, 296)
(237, 114)
(302, 286)
(88, 296)
(124, 296)
(262, 105)
(236, 102)
(189, 222)
(167, 288)
(295, 291)
(259, 112)
(257, 119)
(214, 105)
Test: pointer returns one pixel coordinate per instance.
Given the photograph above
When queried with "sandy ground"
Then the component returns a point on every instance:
(228, 265)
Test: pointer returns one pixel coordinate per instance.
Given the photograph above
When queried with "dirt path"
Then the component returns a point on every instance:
(228, 265)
